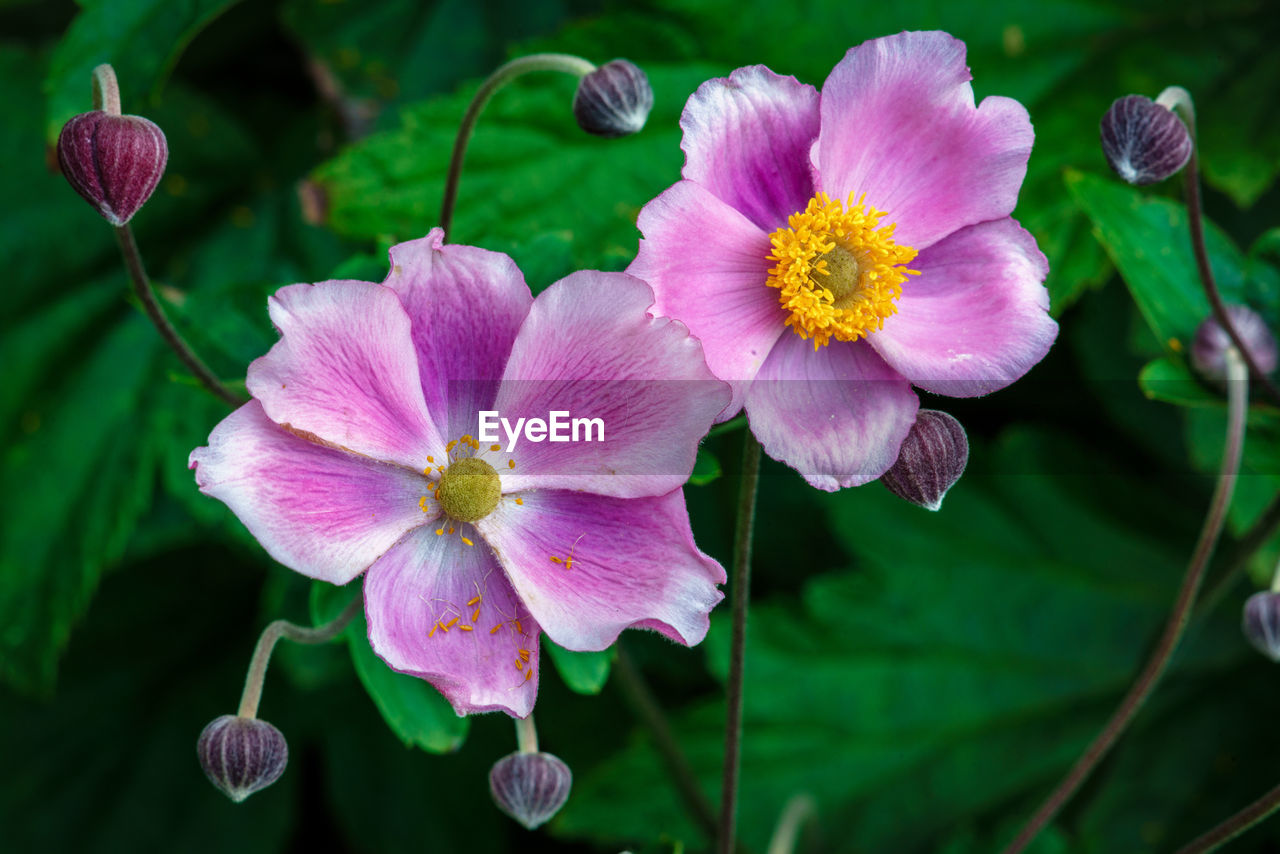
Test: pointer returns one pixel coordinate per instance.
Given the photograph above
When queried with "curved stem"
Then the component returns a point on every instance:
(738, 640)
(146, 295)
(1243, 549)
(267, 642)
(567, 63)
(798, 810)
(650, 713)
(106, 91)
(1177, 97)
(1237, 396)
(1236, 825)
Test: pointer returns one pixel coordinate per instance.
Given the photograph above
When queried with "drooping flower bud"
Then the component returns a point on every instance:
(931, 460)
(1143, 141)
(242, 755)
(1209, 349)
(614, 100)
(1261, 623)
(530, 787)
(113, 161)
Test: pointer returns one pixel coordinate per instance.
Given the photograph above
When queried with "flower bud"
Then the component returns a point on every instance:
(113, 161)
(1261, 623)
(614, 100)
(1143, 141)
(931, 460)
(242, 755)
(530, 787)
(1209, 349)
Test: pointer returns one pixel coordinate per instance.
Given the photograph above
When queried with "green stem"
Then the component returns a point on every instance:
(1177, 97)
(567, 63)
(267, 641)
(1236, 825)
(737, 644)
(646, 708)
(146, 295)
(1237, 401)
(800, 809)
(526, 735)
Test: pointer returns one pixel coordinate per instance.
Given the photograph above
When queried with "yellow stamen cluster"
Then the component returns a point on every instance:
(838, 270)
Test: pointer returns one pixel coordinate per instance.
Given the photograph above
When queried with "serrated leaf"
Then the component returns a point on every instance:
(583, 672)
(142, 40)
(411, 707)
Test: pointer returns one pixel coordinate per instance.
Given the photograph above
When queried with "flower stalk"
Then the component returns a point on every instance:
(1236, 825)
(1237, 404)
(738, 640)
(300, 634)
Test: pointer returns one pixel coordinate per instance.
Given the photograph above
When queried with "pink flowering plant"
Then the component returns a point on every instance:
(562, 348)
(834, 248)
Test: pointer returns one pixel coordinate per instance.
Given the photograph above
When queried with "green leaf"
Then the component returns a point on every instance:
(411, 707)
(583, 672)
(1148, 241)
(1170, 379)
(706, 468)
(142, 39)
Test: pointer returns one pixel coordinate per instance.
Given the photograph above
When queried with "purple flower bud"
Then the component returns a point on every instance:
(1143, 141)
(931, 460)
(242, 755)
(614, 100)
(1261, 623)
(114, 162)
(1209, 349)
(530, 787)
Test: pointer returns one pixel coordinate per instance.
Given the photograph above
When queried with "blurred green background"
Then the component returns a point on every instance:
(925, 677)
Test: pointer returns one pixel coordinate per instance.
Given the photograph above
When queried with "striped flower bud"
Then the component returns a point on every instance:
(530, 787)
(930, 461)
(1143, 141)
(1209, 349)
(242, 755)
(614, 100)
(113, 161)
(1261, 623)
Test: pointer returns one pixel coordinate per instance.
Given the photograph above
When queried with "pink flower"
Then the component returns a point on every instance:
(834, 249)
(360, 451)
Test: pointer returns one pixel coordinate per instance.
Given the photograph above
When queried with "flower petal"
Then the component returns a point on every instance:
(977, 316)
(899, 124)
(443, 611)
(589, 350)
(837, 415)
(345, 371)
(320, 511)
(707, 265)
(466, 305)
(747, 139)
(589, 566)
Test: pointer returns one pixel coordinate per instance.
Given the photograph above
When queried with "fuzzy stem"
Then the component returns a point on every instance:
(1175, 97)
(1236, 825)
(146, 295)
(526, 735)
(267, 641)
(567, 63)
(646, 708)
(106, 91)
(1243, 549)
(738, 641)
(1237, 401)
(799, 809)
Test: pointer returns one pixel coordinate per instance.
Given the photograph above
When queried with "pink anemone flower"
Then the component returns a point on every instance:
(362, 451)
(831, 250)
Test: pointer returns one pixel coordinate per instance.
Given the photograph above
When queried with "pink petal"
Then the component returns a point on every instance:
(837, 415)
(419, 597)
(899, 124)
(345, 371)
(747, 140)
(322, 512)
(977, 316)
(622, 563)
(466, 305)
(589, 349)
(707, 265)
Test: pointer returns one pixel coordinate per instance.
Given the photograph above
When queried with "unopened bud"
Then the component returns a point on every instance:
(530, 787)
(242, 755)
(614, 100)
(113, 161)
(931, 460)
(1143, 141)
(1209, 349)
(1261, 623)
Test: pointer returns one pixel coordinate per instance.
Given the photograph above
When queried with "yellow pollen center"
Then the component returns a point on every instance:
(469, 490)
(838, 271)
